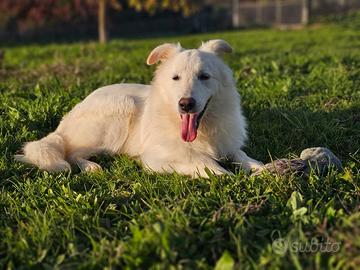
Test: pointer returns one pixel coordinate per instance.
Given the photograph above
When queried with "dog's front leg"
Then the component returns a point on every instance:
(200, 167)
(246, 162)
(194, 167)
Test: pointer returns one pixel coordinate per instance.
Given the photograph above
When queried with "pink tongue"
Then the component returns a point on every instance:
(188, 127)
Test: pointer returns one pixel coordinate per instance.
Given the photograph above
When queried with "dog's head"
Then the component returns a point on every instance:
(190, 79)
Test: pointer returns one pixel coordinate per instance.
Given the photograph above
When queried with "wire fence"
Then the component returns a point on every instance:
(286, 12)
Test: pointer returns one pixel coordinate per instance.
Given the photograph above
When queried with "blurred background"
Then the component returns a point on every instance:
(57, 20)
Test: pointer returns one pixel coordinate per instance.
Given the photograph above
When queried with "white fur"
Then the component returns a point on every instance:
(143, 120)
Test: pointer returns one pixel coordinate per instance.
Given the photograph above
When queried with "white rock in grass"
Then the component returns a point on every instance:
(321, 158)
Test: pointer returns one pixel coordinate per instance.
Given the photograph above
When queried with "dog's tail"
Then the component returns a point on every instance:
(48, 153)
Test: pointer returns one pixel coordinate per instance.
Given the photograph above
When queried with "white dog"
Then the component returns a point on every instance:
(186, 120)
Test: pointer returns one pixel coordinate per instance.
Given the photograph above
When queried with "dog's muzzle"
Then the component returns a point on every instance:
(190, 123)
(187, 105)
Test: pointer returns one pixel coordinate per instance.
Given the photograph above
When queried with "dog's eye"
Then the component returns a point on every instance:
(176, 77)
(204, 76)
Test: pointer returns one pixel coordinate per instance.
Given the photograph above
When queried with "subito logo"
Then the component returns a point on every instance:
(279, 244)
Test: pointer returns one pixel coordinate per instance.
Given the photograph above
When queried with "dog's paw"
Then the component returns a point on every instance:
(89, 166)
(255, 166)
(252, 166)
(207, 172)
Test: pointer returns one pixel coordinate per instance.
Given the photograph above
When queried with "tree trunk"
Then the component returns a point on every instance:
(102, 21)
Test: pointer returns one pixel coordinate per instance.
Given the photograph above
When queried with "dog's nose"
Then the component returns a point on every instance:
(187, 104)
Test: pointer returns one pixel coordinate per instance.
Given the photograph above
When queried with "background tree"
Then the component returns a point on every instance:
(23, 16)
(102, 21)
(19, 16)
(102, 17)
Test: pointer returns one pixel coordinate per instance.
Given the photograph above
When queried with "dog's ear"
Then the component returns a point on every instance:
(217, 46)
(163, 52)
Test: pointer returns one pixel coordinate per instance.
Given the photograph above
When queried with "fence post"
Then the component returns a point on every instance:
(235, 13)
(259, 7)
(278, 12)
(304, 12)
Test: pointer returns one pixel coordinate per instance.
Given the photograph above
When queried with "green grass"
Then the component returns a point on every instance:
(299, 88)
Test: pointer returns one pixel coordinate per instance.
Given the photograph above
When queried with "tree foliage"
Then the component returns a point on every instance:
(185, 6)
(25, 14)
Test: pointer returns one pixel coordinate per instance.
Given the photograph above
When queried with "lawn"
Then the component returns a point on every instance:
(299, 89)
